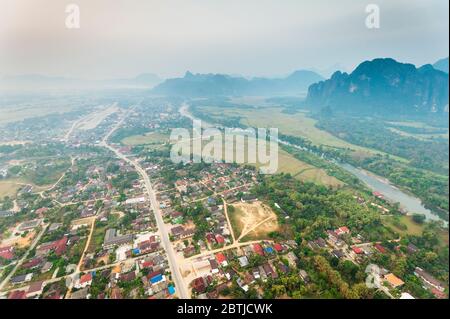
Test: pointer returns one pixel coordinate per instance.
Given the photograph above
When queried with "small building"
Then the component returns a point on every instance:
(221, 259)
(35, 289)
(84, 281)
(112, 239)
(243, 261)
(429, 280)
(393, 280)
(21, 279)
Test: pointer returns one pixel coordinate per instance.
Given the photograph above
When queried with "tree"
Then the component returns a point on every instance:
(419, 218)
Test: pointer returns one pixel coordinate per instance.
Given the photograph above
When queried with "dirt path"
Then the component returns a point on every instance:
(245, 232)
(80, 262)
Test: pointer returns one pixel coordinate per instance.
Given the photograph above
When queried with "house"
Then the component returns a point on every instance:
(338, 253)
(429, 280)
(29, 225)
(241, 283)
(33, 263)
(380, 248)
(283, 268)
(214, 266)
(342, 231)
(113, 239)
(7, 252)
(80, 294)
(35, 289)
(221, 259)
(21, 279)
(128, 276)
(406, 295)
(304, 275)
(292, 259)
(268, 270)
(199, 285)
(219, 239)
(257, 248)
(243, 261)
(278, 247)
(18, 294)
(393, 280)
(256, 273)
(177, 231)
(210, 238)
(84, 281)
(46, 267)
(357, 250)
(58, 246)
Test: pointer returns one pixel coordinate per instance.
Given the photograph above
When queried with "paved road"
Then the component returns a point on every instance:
(165, 241)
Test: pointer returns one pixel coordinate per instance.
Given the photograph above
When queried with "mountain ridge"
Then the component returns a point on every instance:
(383, 85)
(199, 85)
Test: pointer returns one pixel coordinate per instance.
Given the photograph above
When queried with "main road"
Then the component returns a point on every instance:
(165, 240)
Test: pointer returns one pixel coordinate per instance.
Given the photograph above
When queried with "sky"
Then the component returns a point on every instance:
(123, 38)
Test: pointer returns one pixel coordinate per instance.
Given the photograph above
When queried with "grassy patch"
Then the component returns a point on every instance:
(8, 188)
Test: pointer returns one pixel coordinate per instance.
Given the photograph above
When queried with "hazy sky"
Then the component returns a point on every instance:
(122, 38)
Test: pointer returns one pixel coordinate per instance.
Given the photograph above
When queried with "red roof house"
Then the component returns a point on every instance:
(380, 248)
(278, 247)
(220, 239)
(221, 259)
(7, 252)
(257, 248)
(18, 294)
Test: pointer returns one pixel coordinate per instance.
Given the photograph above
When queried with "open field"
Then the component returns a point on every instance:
(412, 228)
(423, 137)
(252, 221)
(287, 163)
(19, 241)
(149, 138)
(15, 113)
(8, 189)
(298, 124)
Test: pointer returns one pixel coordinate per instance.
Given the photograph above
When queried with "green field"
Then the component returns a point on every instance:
(298, 124)
(9, 114)
(287, 163)
(149, 138)
(407, 226)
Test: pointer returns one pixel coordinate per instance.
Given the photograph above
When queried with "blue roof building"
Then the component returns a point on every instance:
(156, 279)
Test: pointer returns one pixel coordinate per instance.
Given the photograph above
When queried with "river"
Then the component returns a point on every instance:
(409, 203)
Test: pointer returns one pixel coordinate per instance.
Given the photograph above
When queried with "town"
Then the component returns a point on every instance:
(95, 209)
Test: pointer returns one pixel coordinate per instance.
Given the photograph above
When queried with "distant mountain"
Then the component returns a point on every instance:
(145, 80)
(441, 65)
(383, 86)
(37, 81)
(203, 85)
